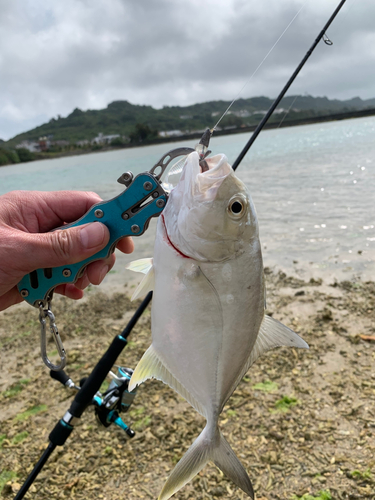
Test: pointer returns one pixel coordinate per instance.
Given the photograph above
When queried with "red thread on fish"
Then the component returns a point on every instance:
(169, 241)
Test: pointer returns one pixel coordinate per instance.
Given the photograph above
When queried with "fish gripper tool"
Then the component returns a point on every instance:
(128, 214)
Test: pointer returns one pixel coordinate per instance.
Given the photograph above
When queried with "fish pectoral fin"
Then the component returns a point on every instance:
(140, 265)
(145, 369)
(273, 334)
(151, 366)
(207, 447)
(227, 461)
(146, 285)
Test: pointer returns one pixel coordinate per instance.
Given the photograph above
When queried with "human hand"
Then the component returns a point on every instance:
(26, 245)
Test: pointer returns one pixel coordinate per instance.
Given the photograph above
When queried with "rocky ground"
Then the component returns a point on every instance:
(302, 422)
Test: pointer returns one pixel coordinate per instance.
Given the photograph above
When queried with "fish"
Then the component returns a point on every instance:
(208, 318)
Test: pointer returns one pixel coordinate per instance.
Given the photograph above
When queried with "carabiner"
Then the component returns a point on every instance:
(43, 314)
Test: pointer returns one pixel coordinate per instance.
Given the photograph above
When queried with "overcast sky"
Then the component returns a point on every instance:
(56, 55)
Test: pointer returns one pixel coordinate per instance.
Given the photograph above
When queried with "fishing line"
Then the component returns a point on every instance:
(287, 112)
(259, 65)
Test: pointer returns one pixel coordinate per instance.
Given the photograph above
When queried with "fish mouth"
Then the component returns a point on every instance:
(195, 215)
(196, 174)
(207, 175)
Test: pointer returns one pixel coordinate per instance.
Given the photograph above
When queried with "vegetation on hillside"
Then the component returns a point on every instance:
(122, 117)
(8, 156)
(136, 124)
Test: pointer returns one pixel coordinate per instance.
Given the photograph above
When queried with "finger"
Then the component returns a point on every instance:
(70, 291)
(82, 282)
(126, 245)
(10, 298)
(97, 271)
(55, 208)
(60, 247)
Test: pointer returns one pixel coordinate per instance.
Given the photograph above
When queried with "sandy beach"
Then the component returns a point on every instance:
(302, 422)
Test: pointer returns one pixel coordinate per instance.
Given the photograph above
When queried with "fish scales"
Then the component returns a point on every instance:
(208, 312)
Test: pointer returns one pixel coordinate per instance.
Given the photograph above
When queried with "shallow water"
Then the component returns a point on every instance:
(313, 186)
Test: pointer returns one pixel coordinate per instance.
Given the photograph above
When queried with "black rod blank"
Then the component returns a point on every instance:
(38, 467)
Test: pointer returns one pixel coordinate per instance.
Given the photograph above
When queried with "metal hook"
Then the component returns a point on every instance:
(326, 40)
(43, 314)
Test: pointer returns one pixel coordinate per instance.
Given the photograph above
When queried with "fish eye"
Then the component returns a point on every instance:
(236, 207)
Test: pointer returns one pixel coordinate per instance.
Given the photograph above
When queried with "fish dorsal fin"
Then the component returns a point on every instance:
(271, 334)
(150, 366)
(141, 265)
(146, 285)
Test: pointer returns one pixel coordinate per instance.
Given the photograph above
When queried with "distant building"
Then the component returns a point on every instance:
(44, 143)
(104, 139)
(60, 143)
(242, 113)
(83, 143)
(32, 146)
(170, 133)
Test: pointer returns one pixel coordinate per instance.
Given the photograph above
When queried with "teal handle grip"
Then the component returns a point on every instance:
(128, 214)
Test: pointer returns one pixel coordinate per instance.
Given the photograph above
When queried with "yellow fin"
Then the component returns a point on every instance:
(140, 265)
(150, 366)
(146, 285)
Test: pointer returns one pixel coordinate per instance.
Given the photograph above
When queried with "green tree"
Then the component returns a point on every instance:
(25, 155)
(8, 157)
(231, 121)
(117, 142)
(142, 133)
(4, 160)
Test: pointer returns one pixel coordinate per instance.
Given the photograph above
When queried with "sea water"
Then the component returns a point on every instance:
(313, 187)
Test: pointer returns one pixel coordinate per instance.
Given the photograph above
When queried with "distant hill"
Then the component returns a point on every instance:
(121, 117)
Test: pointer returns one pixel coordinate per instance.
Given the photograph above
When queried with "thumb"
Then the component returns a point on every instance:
(63, 246)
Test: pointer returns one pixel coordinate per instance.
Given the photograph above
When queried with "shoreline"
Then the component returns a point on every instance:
(187, 137)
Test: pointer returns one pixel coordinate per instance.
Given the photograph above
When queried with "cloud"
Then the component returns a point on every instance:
(56, 56)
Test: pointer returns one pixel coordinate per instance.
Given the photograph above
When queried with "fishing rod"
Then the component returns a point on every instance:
(117, 398)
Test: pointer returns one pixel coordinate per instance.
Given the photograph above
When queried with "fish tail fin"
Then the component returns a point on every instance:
(227, 461)
(190, 464)
(205, 448)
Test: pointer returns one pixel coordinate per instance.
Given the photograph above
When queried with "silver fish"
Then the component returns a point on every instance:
(208, 319)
